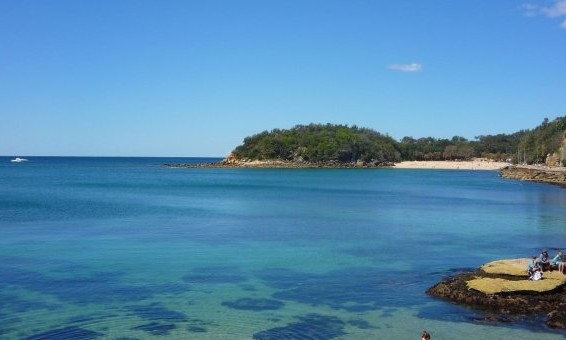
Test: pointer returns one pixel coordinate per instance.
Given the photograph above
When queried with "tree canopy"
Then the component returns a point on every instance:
(536, 144)
(345, 144)
(320, 143)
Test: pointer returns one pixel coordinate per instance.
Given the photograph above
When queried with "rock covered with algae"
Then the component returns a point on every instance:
(514, 278)
(503, 287)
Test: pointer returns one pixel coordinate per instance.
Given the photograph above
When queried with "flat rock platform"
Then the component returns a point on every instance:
(503, 287)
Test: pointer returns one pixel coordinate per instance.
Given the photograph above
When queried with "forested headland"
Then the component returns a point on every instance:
(320, 143)
(341, 144)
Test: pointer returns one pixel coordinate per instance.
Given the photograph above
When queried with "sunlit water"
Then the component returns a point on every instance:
(117, 248)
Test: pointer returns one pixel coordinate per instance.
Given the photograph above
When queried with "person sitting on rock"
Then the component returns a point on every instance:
(557, 261)
(543, 262)
(534, 270)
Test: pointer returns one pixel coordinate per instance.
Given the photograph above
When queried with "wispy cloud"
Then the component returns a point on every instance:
(414, 67)
(556, 9)
(530, 10)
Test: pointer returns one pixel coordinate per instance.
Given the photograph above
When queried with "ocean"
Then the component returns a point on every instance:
(125, 248)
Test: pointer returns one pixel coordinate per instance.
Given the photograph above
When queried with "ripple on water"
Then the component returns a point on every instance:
(66, 333)
(216, 274)
(156, 312)
(156, 328)
(196, 329)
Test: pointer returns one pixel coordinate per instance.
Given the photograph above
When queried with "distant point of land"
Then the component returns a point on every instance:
(343, 146)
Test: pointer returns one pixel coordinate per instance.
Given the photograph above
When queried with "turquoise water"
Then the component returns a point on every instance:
(117, 248)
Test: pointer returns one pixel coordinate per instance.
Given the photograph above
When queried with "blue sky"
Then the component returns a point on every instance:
(193, 78)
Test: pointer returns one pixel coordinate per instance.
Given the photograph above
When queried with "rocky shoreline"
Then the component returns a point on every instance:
(507, 305)
(279, 164)
(230, 162)
(541, 174)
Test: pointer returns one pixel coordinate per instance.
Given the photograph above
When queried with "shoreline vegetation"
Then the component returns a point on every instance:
(342, 145)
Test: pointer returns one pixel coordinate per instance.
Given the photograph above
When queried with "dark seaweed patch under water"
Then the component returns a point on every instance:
(82, 319)
(93, 288)
(311, 326)
(67, 333)
(155, 328)
(352, 289)
(254, 304)
(361, 324)
(196, 329)
(15, 304)
(155, 312)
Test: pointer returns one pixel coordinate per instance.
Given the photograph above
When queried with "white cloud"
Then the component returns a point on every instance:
(530, 10)
(556, 10)
(414, 67)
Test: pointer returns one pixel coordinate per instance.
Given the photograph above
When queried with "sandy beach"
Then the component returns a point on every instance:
(476, 164)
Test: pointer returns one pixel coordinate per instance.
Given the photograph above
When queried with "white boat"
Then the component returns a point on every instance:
(18, 160)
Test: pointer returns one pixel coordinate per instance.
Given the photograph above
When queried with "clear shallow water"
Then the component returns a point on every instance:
(124, 248)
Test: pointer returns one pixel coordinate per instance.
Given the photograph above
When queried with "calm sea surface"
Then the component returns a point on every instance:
(121, 248)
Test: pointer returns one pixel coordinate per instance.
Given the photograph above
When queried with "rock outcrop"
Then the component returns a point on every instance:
(232, 162)
(488, 288)
(551, 175)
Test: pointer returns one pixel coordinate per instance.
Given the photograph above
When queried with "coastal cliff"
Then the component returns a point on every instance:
(556, 175)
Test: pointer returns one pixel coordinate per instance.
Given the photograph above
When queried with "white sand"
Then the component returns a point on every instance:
(476, 164)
